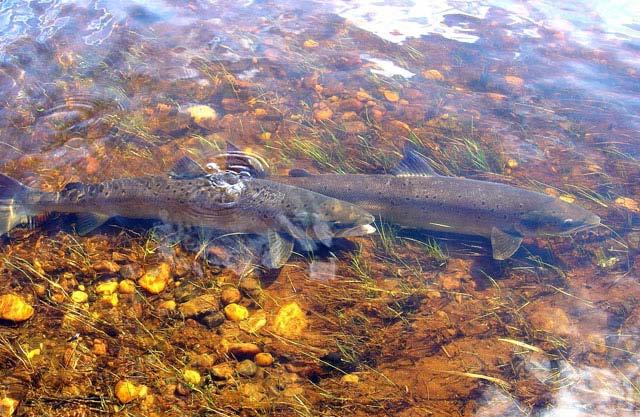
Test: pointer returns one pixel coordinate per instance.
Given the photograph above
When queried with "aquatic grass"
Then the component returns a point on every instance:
(432, 250)
(387, 234)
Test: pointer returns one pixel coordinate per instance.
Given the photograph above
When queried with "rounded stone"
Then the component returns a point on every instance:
(247, 368)
(230, 295)
(263, 359)
(14, 308)
(236, 312)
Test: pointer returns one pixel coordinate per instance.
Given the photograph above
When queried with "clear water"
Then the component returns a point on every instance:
(539, 94)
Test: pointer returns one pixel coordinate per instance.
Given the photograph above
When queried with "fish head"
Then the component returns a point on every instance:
(341, 219)
(556, 218)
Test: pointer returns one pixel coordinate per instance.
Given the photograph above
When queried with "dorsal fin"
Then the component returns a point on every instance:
(186, 168)
(299, 172)
(413, 164)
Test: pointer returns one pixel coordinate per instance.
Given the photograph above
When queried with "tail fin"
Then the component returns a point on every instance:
(12, 212)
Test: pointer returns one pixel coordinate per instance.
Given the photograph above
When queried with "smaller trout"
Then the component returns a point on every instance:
(190, 196)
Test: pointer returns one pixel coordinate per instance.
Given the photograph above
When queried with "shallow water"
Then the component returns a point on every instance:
(542, 95)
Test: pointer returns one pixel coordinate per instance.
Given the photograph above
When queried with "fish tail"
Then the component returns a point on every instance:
(12, 209)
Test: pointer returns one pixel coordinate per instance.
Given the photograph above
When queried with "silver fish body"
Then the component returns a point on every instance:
(417, 197)
(224, 201)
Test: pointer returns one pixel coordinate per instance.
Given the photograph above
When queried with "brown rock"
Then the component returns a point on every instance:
(230, 295)
(244, 350)
(202, 304)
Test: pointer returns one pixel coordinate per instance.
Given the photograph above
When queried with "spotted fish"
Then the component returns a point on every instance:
(192, 196)
(417, 197)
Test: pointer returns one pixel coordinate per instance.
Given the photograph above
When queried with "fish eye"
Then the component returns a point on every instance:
(568, 222)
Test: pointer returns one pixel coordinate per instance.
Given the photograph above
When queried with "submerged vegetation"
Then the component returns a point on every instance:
(138, 319)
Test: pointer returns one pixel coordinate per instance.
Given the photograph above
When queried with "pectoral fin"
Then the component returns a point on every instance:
(280, 249)
(86, 222)
(323, 232)
(504, 244)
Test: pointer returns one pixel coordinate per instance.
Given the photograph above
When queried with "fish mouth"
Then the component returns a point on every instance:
(589, 223)
(361, 230)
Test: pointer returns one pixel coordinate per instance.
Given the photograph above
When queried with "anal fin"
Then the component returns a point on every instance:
(504, 244)
(86, 222)
(279, 251)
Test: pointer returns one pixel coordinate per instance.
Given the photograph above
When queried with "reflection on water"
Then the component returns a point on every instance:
(542, 95)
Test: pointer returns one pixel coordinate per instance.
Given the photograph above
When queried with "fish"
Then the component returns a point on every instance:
(415, 196)
(194, 197)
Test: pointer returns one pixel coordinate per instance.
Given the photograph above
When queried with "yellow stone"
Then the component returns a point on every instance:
(350, 379)
(259, 112)
(263, 359)
(8, 406)
(110, 299)
(322, 114)
(107, 288)
(126, 286)
(126, 391)
(433, 74)
(265, 135)
(192, 376)
(236, 312)
(627, 203)
(362, 95)
(202, 114)
(14, 308)
(310, 43)
(79, 297)
(512, 163)
(567, 198)
(392, 96)
(290, 321)
(156, 279)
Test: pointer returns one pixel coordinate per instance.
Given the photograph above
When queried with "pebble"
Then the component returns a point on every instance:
(79, 297)
(244, 350)
(191, 376)
(391, 96)
(263, 359)
(310, 44)
(222, 371)
(126, 391)
(198, 305)
(203, 116)
(322, 114)
(250, 285)
(99, 347)
(8, 406)
(107, 288)
(433, 74)
(126, 286)
(350, 379)
(247, 368)
(156, 279)
(110, 300)
(290, 321)
(14, 308)
(236, 312)
(230, 295)
(212, 319)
